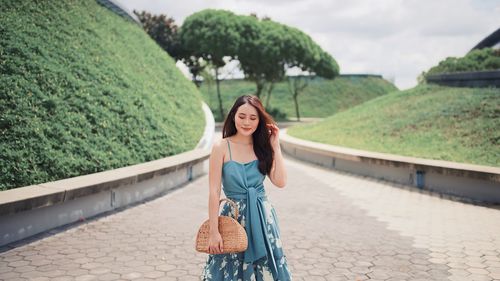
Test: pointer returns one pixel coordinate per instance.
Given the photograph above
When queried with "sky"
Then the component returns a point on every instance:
(398, 39)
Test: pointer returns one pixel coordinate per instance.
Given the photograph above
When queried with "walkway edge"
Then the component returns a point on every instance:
(472, 182)
(29, 210)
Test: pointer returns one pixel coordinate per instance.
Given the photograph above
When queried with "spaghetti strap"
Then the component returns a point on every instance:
(229, 147)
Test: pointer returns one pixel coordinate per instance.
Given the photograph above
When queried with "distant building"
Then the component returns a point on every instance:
(492, 41)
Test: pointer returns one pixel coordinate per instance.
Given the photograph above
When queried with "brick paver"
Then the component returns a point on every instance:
(334, 226)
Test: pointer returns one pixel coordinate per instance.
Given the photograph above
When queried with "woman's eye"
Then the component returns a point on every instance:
(253, 119)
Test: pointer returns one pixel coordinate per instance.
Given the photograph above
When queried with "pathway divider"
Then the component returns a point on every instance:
(465, 182)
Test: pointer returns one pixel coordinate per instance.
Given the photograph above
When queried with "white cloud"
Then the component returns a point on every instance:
(394, 38)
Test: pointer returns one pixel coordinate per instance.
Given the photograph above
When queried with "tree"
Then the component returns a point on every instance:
(260, 52)
(268, 49)
(273, 34)
(301, 51)
(249, 53)
(163, 30)
(211, 35)
(264, 48)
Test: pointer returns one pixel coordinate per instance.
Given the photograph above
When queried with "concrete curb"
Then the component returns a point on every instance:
(471, 182)
(29, 210)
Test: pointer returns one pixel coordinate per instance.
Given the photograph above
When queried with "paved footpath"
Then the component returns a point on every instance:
(334, 226)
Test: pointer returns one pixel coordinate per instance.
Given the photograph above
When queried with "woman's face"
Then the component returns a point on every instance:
(246, 119)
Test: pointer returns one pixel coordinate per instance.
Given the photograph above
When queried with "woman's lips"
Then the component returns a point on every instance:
(247, 129)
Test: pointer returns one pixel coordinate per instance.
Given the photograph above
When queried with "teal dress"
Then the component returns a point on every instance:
(264, 258)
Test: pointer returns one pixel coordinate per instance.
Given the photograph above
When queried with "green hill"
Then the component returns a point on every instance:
(454, 124)
(321, 98)
(82, 90)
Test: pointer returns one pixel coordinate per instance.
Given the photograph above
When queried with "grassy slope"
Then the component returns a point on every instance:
(454, 124)
(321, 97)
(84, 91)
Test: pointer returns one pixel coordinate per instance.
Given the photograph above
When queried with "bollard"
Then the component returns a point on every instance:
(420, 179)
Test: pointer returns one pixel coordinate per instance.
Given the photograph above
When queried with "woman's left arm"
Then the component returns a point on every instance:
(277, 175)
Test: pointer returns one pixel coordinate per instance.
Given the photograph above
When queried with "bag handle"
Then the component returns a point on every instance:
(231, 202)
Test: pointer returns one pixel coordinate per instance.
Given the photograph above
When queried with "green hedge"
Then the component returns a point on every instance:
(476, 60)
(83, 90)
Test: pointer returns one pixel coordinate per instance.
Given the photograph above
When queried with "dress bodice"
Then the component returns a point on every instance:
(238, 177)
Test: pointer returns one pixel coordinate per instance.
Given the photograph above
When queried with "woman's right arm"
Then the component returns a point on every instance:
(214, 178)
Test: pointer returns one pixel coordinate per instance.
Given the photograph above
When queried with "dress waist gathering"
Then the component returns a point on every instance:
(255, 219)
(243, 181)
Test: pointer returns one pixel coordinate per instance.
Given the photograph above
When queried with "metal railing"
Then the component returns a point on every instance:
(476, 79)
(117, 8)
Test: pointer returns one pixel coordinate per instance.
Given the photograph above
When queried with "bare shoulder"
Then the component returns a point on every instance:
(218, 146)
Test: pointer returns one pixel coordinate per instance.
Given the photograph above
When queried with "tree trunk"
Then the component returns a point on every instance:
(298, 88)
(197, 83)
(295, 88)
(292, 90)
(260, 86)
(296, 106)
(268, 98)
(221, 110)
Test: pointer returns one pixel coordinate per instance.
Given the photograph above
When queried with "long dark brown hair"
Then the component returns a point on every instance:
(261, 137)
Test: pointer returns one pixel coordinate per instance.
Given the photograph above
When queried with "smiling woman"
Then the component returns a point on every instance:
(248, 152)
(247, 118)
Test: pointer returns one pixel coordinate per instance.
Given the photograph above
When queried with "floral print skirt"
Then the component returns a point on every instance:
(231, 267)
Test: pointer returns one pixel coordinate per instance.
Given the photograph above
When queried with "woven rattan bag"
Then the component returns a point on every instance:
(234, 237)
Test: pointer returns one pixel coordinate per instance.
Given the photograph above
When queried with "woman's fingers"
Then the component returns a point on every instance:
(213, 250)
(273, 128)
(217, 249)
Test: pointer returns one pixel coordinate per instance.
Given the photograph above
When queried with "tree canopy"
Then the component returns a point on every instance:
(163, 30)
(211, 35)
(264, 48)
